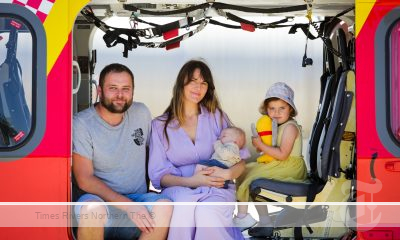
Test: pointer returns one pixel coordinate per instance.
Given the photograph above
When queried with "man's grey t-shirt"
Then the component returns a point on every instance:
(118, 152)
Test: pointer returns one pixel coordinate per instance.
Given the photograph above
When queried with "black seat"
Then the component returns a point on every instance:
(324, 155)
(290, 189)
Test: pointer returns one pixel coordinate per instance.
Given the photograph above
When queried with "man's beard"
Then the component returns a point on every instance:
(114, 109)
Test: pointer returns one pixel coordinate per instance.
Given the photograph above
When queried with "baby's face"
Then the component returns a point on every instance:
(230, 135)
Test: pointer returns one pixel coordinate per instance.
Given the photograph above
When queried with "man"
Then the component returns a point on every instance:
(109, 163)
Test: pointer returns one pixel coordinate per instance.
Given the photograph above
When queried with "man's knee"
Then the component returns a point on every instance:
(95, 213)
(164, 210)
(168, 207)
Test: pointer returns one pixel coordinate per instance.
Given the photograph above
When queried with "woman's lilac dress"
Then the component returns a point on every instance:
(179, 158)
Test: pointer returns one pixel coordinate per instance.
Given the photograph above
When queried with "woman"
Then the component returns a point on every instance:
(183, 136)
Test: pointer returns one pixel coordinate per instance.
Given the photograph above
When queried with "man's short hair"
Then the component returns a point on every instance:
(117, 68)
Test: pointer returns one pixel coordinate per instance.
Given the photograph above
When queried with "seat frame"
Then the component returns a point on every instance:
(336, 103)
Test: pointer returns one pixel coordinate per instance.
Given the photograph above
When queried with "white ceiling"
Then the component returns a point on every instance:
(236, 2)
(320, 7)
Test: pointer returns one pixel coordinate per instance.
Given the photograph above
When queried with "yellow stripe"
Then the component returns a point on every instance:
(58, 25)
(362, 11)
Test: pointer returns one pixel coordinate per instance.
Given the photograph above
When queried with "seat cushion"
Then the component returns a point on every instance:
(287, 188)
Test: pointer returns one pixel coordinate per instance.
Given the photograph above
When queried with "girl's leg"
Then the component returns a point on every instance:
(243, 219)
(265, 220)
(253, 171)
(264, 227)
(242, 210)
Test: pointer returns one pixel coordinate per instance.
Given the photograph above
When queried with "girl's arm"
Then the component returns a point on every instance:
(231, 173)
(283, 151)
(236, 170)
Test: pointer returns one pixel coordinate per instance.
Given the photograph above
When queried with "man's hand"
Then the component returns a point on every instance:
(141, 218)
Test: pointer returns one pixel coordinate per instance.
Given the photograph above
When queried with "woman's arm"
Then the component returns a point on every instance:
(201, 178)
(283, 151)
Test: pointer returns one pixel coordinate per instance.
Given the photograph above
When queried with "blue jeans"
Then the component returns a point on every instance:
(215, 163)
(119, 225)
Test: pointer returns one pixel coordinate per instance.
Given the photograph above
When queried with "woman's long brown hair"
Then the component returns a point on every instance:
(210, 101)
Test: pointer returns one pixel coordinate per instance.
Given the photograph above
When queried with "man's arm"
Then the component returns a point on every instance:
(84, 175)
(87, 181)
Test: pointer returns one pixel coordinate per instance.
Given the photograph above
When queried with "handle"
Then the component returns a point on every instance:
(78, 85)
(371, 166)
(254, 130)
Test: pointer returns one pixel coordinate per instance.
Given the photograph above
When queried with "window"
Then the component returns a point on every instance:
(387, 81)
(395, 80)
(15, 81)
(22, 81)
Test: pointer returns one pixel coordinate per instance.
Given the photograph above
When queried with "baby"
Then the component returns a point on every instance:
(226, 150)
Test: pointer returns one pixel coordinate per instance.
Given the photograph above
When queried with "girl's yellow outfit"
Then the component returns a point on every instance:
(293, 169)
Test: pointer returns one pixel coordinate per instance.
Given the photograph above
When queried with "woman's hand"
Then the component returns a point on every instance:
(205, 178)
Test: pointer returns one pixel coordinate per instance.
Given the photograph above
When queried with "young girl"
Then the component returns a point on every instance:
(288, 164)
